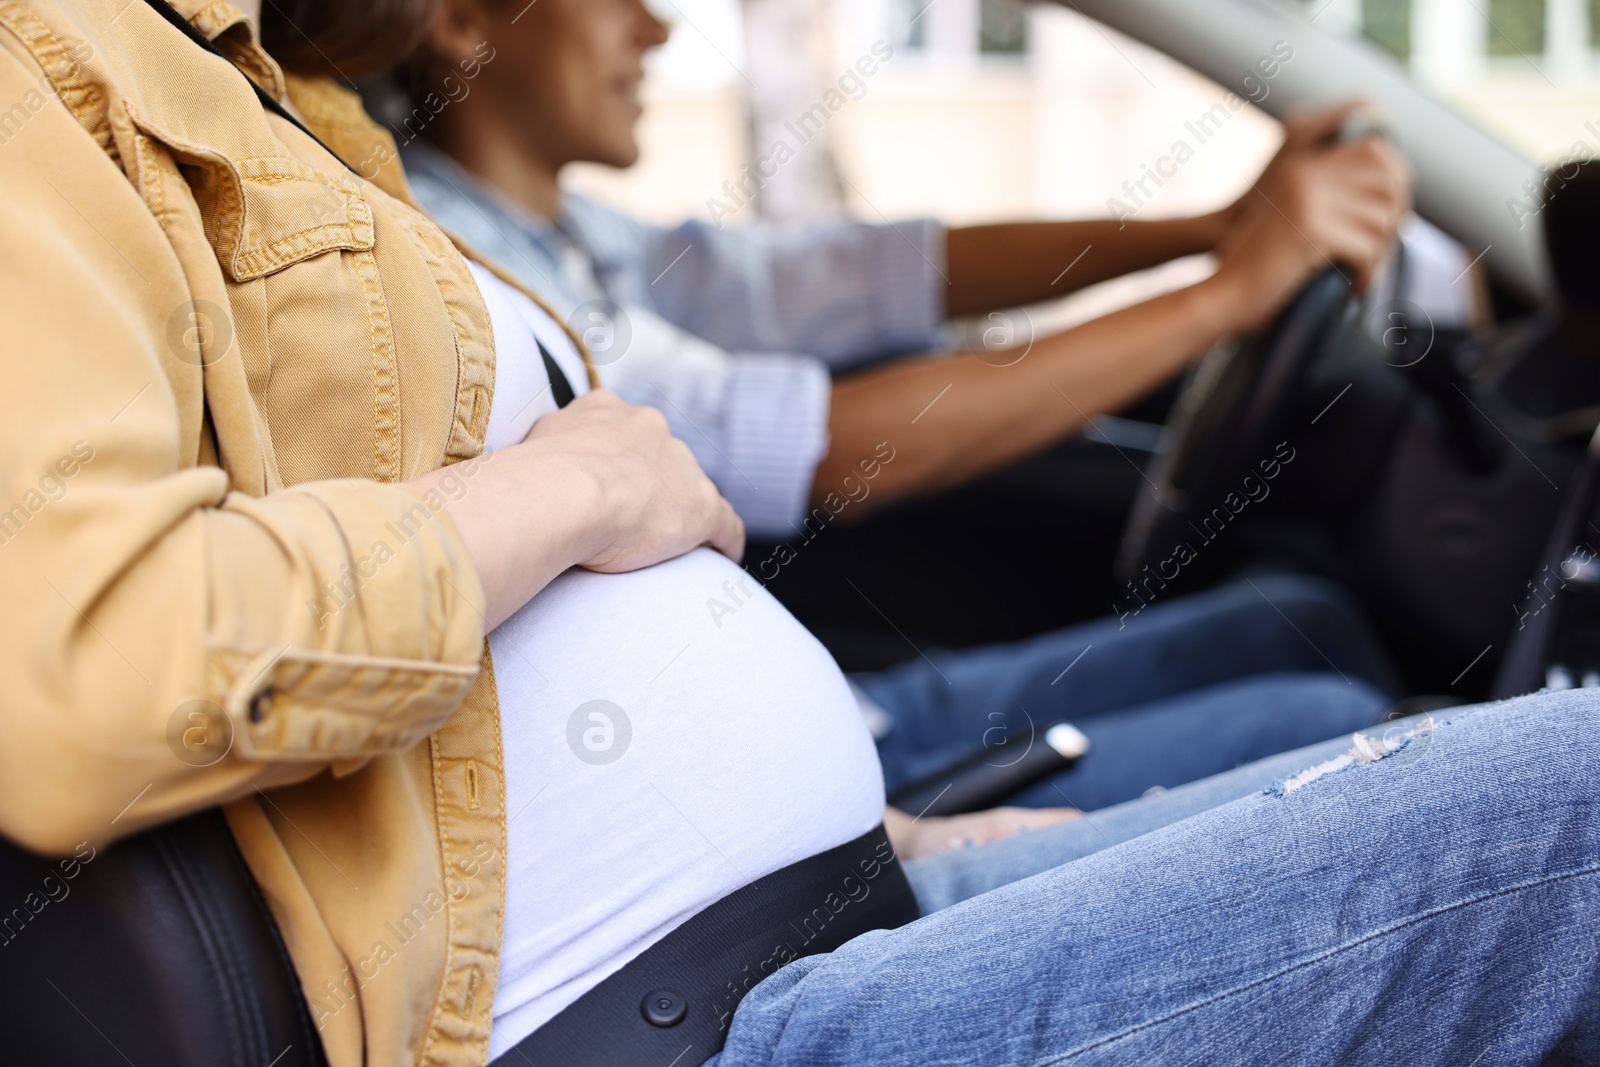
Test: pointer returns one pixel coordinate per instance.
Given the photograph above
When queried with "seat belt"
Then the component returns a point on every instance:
(560, 387)
(673, 1003)
(1533, 645)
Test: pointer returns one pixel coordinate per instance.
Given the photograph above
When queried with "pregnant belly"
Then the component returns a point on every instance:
(670, 734)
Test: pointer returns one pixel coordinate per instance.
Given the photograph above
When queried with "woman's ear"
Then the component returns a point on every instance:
(459, 27)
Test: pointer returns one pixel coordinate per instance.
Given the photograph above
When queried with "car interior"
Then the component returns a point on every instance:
(1444, 474)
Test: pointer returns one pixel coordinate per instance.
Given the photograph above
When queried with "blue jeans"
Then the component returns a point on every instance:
(1186, 689)
(1432, 900)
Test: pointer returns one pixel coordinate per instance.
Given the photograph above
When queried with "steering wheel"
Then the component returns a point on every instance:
(1226, 420)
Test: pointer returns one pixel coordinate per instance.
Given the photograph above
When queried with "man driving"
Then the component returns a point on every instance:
(457, 867)
(733, 333)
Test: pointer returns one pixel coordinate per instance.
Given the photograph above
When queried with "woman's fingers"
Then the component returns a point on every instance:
(727, 534)
(657, 502)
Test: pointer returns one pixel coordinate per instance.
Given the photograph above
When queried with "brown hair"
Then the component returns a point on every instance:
(344, 39)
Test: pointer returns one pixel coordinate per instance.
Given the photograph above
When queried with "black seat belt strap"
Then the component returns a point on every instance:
(560, 385)
(672, 1003)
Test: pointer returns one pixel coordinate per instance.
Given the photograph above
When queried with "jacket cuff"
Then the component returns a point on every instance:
(298, 705)
(383, 630)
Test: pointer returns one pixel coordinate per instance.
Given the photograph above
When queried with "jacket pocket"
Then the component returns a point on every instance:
(264, 213)
(297, 247)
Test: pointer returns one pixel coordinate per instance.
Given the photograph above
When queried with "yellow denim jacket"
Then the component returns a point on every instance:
(223, 352)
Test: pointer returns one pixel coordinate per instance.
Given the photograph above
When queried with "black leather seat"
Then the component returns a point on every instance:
(158, 952)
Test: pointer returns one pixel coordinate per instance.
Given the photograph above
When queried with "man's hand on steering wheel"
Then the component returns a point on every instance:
(1320, 201)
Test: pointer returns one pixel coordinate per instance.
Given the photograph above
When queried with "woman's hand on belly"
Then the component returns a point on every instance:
(599, 484)
(656, 501)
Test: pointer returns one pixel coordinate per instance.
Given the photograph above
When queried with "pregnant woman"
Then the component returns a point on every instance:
(713, 751)
(245, 385)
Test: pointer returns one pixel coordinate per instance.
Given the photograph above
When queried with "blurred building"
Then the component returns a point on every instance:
(995, 109)
(985, 109)
(1527, 69)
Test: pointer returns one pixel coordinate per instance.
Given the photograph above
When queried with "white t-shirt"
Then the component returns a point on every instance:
(670, 735)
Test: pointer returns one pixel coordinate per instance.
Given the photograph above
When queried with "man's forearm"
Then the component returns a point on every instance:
(950, 418)
(1013, 263)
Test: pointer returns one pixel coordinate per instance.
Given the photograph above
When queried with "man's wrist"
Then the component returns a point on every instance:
(1216, 225)
(1225, 302)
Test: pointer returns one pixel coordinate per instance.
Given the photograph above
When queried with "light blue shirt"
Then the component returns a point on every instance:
(731, 333)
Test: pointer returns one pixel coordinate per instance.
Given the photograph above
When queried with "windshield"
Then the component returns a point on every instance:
(982, 110)
(999, 109)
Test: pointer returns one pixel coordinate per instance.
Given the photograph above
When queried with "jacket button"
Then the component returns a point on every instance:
(664, 1007)
(261, 705)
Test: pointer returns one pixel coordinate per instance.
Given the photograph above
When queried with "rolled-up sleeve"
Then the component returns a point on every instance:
(776, 427)
(374, 636)
(845, 292)
(757, 423)
(148, 605)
